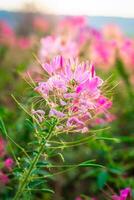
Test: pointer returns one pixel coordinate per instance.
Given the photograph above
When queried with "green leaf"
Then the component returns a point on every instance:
(36, 183)
(118, 170)
(43, 190)
(102, 179)
(2, 127)
(42, 164)
(89, 164)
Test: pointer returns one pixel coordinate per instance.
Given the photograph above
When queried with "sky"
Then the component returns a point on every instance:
(121, 8)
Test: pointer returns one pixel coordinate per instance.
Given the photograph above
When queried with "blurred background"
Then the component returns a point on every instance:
(99, 13)
(103, 33)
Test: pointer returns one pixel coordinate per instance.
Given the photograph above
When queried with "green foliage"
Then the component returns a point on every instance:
(102, 179)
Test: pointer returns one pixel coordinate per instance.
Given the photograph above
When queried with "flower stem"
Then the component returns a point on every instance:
(27, 175)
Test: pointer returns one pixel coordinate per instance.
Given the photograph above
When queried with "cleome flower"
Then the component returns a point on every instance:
(73, 93)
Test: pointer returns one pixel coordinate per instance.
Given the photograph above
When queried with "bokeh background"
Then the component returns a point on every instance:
(111, 23)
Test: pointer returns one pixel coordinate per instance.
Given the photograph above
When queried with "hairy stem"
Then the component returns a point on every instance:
(25, 180)
(27, 175)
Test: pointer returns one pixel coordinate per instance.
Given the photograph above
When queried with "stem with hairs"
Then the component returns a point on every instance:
(27, 174)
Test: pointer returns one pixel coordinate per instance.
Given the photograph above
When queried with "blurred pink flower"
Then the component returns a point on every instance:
(40, 24)
(2, 147)
(24, 43)
(126, 52)
(72, 22)
(3, 178)
(53, 45)
(124, 194)
(112, 31)
(8, 163)
(103, 53)
(7, 35)
(5, 29)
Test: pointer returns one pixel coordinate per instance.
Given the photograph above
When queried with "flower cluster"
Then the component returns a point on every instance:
(73, 93)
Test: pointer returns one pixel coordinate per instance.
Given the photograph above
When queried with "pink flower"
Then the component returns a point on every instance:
(5, 29)
(74, 121)
(112, 31)
(124, 194)
(7, 35)
(72, 23)
(39, 114)
(24, 43)
(76, 89)
(3, 178)
(2, 147)
(55, 66)
(126, 52)
(57, 113)
(103, 53)
(53, 45)
(40, 24)
(103, 103)
(8, 163)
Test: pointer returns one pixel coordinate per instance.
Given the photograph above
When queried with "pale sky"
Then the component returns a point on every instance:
(122, 8)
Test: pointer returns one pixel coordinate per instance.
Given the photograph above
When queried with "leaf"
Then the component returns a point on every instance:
(38, 172)
(89, 164)
(102, 179)
(116, 169)
(2, 127)
(42, 164)
(42, 189)
(34, 184)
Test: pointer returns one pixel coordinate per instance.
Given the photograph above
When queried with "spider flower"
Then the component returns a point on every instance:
(73, 93)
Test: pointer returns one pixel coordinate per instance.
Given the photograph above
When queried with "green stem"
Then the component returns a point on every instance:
(25, 180)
